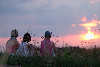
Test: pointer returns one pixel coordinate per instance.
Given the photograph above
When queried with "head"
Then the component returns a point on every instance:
(27, 37)
(48, 34)
(14, 33)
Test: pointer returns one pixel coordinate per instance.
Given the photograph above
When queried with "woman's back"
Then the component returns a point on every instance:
(11, 46)
(47, 47)
(25, 49)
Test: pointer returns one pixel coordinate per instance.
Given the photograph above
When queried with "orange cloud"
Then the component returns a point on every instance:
(86, 25)
(84, 19)
(89, 24)
(73, 25)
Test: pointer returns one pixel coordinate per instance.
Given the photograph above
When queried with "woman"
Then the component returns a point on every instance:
(47, 46)
(12, 44)
(25, 48)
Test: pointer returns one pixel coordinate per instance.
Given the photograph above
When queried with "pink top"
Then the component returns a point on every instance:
(46, 47)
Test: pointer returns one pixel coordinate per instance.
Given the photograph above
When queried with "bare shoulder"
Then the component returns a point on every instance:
(53, 43)
(8, 41)
(15, 41)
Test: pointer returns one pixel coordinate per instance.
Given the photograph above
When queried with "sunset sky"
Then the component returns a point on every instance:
(62, 17)
(73, 20)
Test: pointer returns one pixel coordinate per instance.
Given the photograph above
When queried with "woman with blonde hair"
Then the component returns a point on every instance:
(12, 44)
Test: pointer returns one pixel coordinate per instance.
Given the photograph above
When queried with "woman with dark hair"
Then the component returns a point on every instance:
(25, 49)
(27, 37)
(12, 44)
(47, 46)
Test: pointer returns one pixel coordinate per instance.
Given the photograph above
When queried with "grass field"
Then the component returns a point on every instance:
(65, 57)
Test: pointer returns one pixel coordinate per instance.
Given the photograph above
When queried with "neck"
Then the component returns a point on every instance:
(13, 37)
(47, 38)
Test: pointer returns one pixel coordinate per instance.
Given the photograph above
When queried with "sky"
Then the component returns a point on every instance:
(72, 20)
(37, 16)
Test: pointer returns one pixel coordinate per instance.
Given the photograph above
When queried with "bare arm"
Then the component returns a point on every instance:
(54, 47)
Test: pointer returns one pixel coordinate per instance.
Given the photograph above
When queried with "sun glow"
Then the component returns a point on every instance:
(89, 26)
(89, 36)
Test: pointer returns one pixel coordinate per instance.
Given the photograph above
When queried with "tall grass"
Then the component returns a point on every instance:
(65, 57)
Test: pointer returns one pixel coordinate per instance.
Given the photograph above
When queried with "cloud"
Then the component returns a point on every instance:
(92, 2)
(31, 4)
(56, 15)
